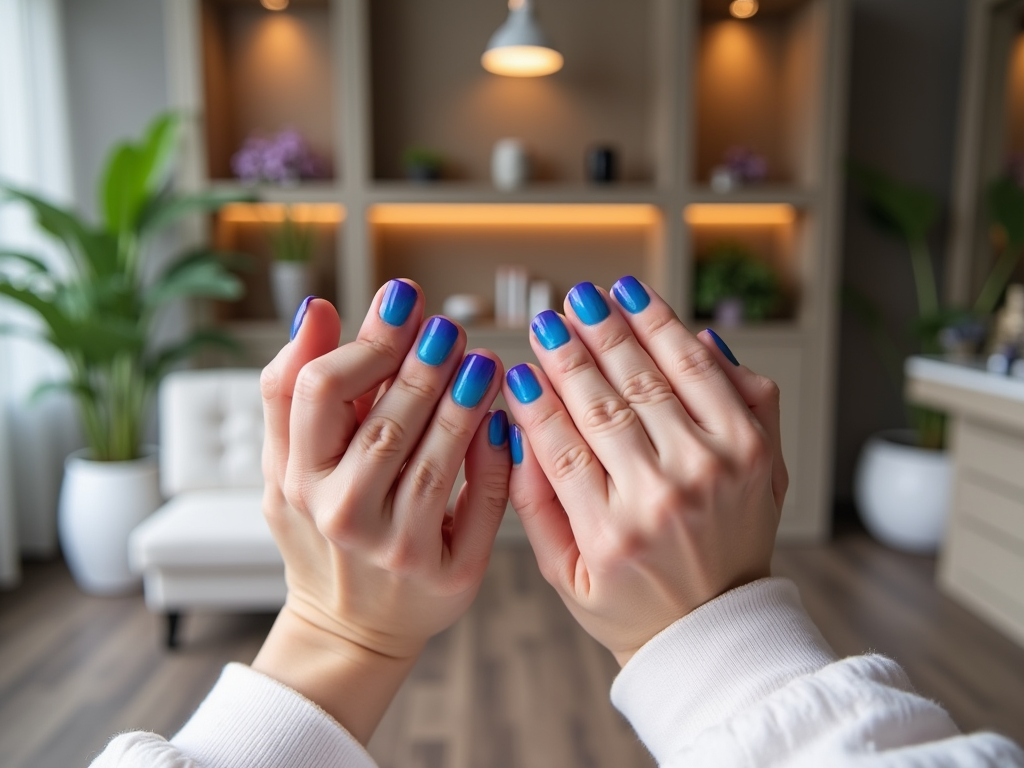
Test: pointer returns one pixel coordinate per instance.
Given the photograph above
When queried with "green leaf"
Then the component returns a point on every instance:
(1006, 204)
(91, 251)
(158, 148)
(189, 347)
(34, 263)
(51, 387)
(206, 279)
(897, 208)
(162, 212)
(123, 188)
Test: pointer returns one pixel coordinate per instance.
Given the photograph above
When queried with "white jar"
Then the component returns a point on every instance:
(510, 166)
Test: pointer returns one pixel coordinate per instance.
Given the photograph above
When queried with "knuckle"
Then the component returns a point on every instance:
(619, 544)
(454, 427)
(609, 415)
(767, 391)
(571, 461)
(694, 363)
(659, 322)
(428, 480)
(613, 339)
(574, 363)
(753, 448)
(402, 556)
(646, 388)
(666, 504)
(313, 384)
(380, 437)
(270, 382)
(382, 347)
(418, 386)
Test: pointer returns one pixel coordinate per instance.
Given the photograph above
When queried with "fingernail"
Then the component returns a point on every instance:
(300, 315)
(474, 377)
(399, 299)
(437, 341)
(588, 304)
(549, 329)
(497, 430)
(515, 443)
(724, 347)
(523, 383)
(631, 295)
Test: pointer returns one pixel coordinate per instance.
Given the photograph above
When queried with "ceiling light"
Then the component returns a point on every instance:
(519, 48)
(274, 5)
(743, 9)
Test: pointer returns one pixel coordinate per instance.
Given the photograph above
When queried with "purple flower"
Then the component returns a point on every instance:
(281, 158)
(746, 165)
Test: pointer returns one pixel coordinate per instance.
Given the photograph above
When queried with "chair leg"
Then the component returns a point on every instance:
(173, 622)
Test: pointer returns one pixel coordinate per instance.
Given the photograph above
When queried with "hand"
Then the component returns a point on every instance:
(363, 445)
(649, 473)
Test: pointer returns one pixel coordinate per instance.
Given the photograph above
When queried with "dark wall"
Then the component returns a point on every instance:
(904, 89)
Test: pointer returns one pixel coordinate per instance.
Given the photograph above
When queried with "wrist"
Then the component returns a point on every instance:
(352, 683)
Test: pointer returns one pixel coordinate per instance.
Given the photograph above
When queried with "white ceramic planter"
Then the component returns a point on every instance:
(903, 492)
(100, 503)
(290, 283)
(510, 165)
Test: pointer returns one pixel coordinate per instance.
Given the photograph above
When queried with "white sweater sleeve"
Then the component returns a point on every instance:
(247, 720)
(748, 680)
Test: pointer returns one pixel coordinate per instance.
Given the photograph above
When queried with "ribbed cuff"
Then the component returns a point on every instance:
(717, 660)
(250, 720)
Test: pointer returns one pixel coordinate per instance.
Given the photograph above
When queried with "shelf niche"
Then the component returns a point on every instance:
(430, 90)
(774, 233)
(561, 244)
(758, 87)
(263, 72)
(246, 228)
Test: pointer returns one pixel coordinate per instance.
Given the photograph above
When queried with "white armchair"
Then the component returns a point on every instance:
(209, 545)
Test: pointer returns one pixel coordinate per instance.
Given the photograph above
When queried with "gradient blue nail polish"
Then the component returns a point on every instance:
(473, 379)
(631, 295)
(549, 329)
(399, 299)
(497, 430)
(588, 304)
(437, 341)
(724, 347)
(523, 383)
(515, 443)
(300, 315)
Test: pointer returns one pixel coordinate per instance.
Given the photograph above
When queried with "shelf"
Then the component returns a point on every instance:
(760, 193)
(465, 192)
(430, 90)
(303, 192)
(264, 72)
(758, 82)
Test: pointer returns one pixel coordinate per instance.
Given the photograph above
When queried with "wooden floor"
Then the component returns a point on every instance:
(514, 685)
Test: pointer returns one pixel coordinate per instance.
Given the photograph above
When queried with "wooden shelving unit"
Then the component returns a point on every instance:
(670, 83)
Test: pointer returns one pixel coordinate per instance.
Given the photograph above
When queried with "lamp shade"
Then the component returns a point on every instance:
(519, 48)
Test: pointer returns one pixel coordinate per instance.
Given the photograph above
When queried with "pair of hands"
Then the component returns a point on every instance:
(648, 476)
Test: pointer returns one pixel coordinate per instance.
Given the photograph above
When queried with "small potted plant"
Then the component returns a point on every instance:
(291, 277)
(422, 164)
(733, 286)
(99, 311)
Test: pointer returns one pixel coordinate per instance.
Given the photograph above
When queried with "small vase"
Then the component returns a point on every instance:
(290, 283)
(510, 166)
(101, 502)
(903, 492)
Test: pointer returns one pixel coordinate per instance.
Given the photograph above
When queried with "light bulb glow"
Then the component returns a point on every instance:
(522, 61)
(274, 5)
(743, 9)
(739, 214)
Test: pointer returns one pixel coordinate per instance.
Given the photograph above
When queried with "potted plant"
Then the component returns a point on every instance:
(99, 312)
(291, 278)
(421, 164)
(902, 480)
(733, 285)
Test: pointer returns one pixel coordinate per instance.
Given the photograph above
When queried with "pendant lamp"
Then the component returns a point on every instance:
(519, 48)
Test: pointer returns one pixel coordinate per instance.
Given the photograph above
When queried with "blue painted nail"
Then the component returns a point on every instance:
(437, 341)
(631, 295)
(515, 442)
(523, 383)
(549, 329)
(588, 304)
(497, 430)
(300, 315)
(724, 347)
(399, 299)
(473, 379)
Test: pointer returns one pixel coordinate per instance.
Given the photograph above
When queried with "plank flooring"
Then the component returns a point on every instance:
(515, 684)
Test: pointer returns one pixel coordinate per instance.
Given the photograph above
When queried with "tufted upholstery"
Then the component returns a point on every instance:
(209, 545)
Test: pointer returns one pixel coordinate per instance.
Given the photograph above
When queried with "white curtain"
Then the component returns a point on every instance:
(33, 154)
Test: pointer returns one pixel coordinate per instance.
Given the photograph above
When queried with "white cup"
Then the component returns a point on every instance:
(510, 166)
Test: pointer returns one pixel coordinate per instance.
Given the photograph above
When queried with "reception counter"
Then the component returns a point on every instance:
(981, 563)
